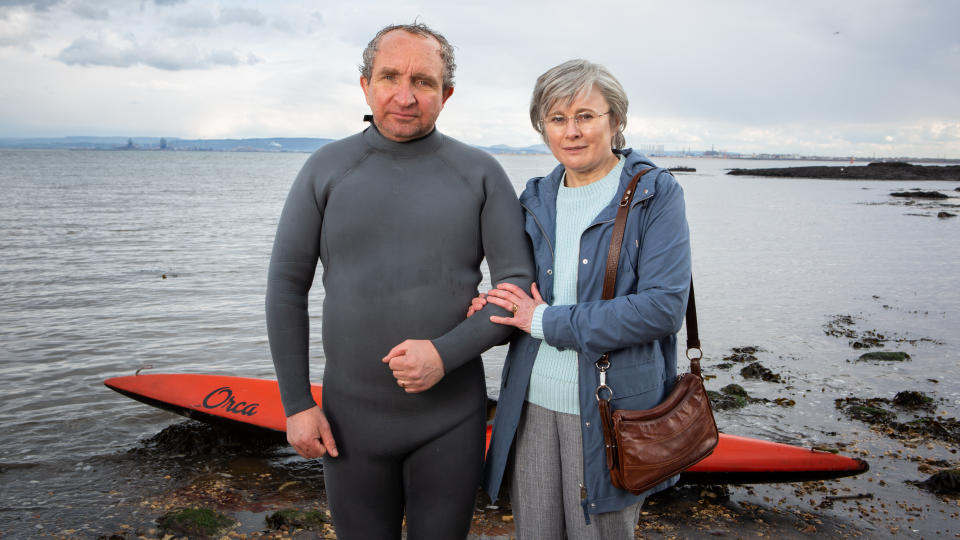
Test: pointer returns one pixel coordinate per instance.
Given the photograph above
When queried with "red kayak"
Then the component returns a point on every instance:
(245, 403)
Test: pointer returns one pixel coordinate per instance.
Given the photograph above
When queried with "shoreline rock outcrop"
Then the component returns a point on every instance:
(874, 171)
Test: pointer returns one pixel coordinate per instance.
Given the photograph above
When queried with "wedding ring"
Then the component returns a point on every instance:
(402, 384)
(514, 309)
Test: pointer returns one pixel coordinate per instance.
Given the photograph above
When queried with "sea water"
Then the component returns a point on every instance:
(114, 261)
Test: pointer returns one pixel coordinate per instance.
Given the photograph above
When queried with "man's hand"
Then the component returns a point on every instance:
(416, 365)
(308, 432)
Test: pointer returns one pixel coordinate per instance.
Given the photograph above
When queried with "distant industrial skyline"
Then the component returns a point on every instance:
(859, 78)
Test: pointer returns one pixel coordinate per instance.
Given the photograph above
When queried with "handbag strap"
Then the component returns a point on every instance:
(613, 262)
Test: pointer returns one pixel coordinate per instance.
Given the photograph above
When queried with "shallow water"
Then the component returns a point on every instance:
(113, 261)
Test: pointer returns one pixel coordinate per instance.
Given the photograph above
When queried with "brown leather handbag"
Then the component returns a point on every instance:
(645, 448)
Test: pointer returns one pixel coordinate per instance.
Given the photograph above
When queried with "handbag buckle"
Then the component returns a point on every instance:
(603, 364)
(695, 360)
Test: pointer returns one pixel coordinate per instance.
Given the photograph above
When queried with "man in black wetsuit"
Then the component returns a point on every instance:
(401, 217)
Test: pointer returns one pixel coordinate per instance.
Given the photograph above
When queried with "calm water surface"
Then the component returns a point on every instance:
(113, 261)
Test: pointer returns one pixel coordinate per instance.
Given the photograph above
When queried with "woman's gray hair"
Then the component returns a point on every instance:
(417, 29)
(571, 79)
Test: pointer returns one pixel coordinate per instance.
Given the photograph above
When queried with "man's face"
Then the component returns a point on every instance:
(405, 91)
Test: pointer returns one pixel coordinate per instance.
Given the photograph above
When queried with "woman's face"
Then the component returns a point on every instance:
(579, 134)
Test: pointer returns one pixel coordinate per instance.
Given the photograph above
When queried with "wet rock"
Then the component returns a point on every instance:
(839, 326)
(869, 339)
(944, 429)
(682, 169)
(721, 402)
(885, 356)
(944, 215)
(195, 523)
(917, 194)
(943, 482)
(743, 354)
(869, 411)
(909, 399)
(874, 412)
(734, 390)
(757, 371)
(198, 439)
(784, 402)
(297, 519)
(732, 396)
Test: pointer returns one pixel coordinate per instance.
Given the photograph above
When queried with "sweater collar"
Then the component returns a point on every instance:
(427, 144)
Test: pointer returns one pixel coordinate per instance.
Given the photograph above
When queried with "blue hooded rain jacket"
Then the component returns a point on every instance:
(638, 327)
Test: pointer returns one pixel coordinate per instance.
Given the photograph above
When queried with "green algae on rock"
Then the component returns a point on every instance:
(313, 520)
(195, 523)
(886, 356)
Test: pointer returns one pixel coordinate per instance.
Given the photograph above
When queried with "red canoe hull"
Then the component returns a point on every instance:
(245, 403)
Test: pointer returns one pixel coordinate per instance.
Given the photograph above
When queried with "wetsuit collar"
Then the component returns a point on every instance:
(427, 144)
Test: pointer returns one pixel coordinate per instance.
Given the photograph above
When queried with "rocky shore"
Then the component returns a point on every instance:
(873, 171)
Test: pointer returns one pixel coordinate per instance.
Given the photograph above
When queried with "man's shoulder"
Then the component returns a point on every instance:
(350, 144)
(467, 157)
(339, 154)
(456, 146)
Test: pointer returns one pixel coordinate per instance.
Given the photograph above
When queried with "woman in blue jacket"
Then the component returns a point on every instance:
(547, 414)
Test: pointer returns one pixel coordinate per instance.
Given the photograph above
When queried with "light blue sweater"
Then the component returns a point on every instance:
(553, 383)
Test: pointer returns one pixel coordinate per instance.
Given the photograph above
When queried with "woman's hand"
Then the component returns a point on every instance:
(515, 299)
(477, 304)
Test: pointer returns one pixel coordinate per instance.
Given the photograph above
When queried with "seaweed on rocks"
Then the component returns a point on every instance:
(732, 396)
(871, 411)
(841, 326)
(885, 356)
(743, 354)
(195, 523)
(912, 400)
(292, 518)
(194, 438)
(756, 370)
(885, 415)
(917, 194)
(942, 483)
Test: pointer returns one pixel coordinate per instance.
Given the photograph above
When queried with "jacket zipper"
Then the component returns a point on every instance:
(542, 231)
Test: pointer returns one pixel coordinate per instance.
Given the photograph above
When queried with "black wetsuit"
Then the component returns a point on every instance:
(401, 230)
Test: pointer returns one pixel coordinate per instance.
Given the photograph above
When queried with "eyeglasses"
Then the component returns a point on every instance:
(583, 120)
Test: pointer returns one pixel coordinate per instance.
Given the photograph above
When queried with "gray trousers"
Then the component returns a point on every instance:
(547, 479)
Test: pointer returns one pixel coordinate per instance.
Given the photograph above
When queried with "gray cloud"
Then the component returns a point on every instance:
(125, 51)
(168, 2)
(88, 10)
(197, 19)
(251, 16)
(39, 5)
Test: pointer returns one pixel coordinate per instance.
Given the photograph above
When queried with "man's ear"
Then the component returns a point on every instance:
(365, 85)
(446, 94)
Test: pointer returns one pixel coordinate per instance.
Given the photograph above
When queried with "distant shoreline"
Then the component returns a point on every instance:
(873, 171)
(310, 144)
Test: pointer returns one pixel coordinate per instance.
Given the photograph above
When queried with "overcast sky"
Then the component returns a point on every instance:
(841, 78)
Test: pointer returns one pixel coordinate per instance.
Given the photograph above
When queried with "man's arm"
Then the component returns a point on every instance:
(293, 264)
(509, 259)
